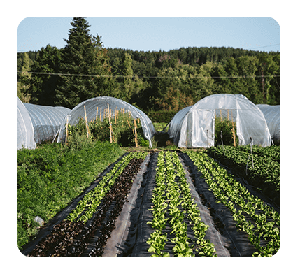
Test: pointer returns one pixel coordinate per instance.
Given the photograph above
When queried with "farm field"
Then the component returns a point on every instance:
(165, 203)
(260, 166)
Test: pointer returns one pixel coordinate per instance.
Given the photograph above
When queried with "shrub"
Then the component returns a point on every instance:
(119, 129)
(223, 131)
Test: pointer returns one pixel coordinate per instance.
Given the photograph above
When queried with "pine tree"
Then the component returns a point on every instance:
(44, 81)
(127, 85)
(86, 62)
(24, 80)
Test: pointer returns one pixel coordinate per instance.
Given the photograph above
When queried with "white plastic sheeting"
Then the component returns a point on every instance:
(272, 116)
(25, 130)
(195, 126)
(103, 102)
(46, 120)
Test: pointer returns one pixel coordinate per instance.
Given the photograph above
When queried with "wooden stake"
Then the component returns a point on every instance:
(110, 131)
(233, 132)
(86, 124)
(135, 134)
(207, 136)
(67, 129)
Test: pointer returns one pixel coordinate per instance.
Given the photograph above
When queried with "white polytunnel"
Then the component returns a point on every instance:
(25, 130)
(95, 106)
(195, 126)
(46, 120)
(272, 116)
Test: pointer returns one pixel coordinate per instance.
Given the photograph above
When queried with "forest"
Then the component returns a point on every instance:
(150, 80)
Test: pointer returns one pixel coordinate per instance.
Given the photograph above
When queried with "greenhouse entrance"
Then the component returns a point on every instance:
(195, 126)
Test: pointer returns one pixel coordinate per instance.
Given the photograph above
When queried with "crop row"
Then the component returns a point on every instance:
(252, 215)
(272, 152)
(173, 206)
(50, 177)
(261, 172)
(88, 205)
(74, 236)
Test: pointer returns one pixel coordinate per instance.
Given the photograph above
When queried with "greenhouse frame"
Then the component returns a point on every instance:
(272, 116)
(46, 120)
(195, 126)
(36, 123)
(25, 130)
(95, 107)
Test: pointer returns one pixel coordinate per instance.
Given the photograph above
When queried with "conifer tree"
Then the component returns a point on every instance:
(43, 81)
(129, 85)
(24, 79)
(84, 67)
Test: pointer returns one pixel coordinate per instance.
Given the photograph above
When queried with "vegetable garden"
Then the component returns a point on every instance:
(180, 203)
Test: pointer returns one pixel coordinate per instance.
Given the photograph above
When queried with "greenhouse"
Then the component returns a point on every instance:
(38, 123)
(272, 116)
(25, 131)
(195, 126)
(46, 120)
(99, 107)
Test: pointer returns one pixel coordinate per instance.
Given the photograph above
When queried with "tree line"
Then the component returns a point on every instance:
(150, 80)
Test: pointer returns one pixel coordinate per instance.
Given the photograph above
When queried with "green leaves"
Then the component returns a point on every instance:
(157, 243)
(88, 205)
(172, 195)
(265, 171)
(51, 176)
(238, 199)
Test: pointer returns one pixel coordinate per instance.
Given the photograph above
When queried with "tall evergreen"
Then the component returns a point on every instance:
(127, 86)
(84, 67)
(43, 81)
(149, 80)
(24, 79)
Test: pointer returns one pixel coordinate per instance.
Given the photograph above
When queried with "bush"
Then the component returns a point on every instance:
(161, 116)
(122, 131)
(223, 131)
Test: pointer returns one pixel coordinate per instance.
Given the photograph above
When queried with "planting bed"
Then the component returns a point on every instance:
(84, 230)
(163, 204)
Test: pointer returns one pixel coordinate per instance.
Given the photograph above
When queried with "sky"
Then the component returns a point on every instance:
(156, 33)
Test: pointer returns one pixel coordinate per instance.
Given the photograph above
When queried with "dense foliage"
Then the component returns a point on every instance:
(51, 176)
(225, 132)
(260, 166)
(163, 80)
(121, 129)
(260, 221)
(85, 231)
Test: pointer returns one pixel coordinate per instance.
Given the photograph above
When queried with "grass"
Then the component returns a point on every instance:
(51, 176)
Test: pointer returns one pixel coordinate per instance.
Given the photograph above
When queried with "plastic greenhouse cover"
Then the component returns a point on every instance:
(97, 105)
(195, 126)
(46, 120)
(25, 130)
(272, 116)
